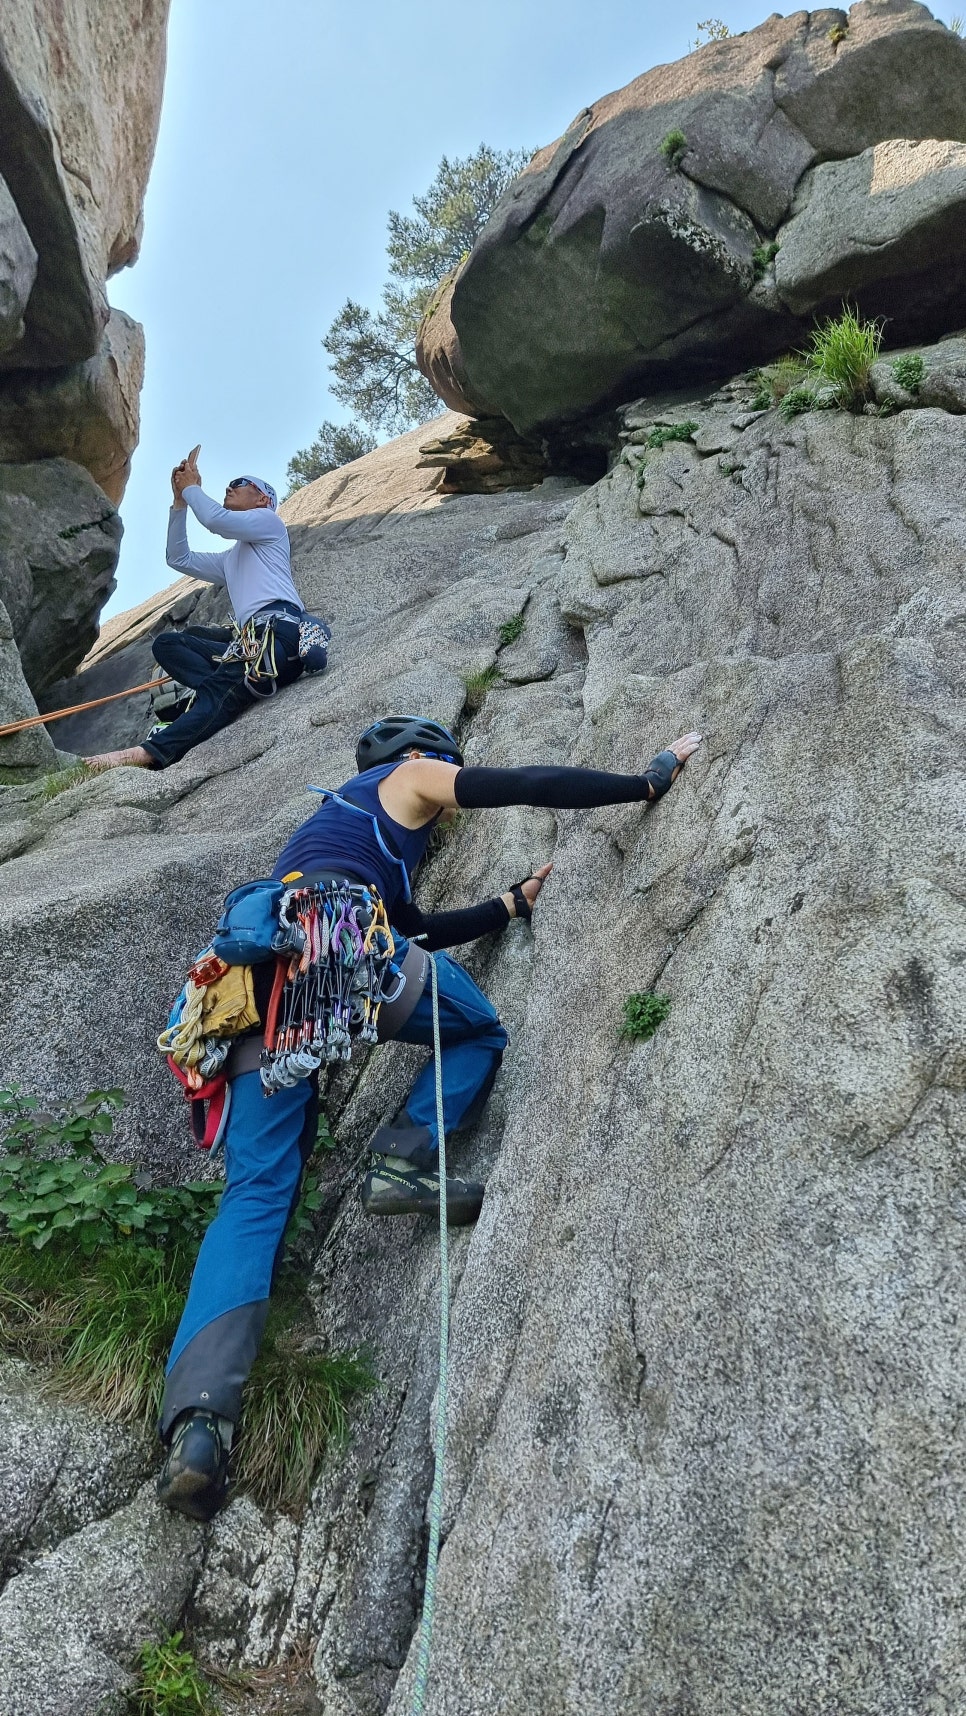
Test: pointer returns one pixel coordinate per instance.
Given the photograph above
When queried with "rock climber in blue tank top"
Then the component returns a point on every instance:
(373, 830)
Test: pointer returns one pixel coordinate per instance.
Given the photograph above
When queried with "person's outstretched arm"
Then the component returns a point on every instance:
(420, 788)
(450, 929)
(257, 524)
(210, 567)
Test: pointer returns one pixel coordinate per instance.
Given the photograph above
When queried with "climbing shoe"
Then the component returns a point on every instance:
(194, 1477)
(393, 1186)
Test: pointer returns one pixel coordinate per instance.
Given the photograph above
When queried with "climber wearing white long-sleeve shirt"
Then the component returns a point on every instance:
(257, 572)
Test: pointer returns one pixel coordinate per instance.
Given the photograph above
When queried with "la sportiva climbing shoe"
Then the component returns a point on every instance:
(194, 1477)
(394, 1187)
(168, 708)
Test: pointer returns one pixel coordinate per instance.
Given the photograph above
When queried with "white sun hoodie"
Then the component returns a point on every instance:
(257, 570)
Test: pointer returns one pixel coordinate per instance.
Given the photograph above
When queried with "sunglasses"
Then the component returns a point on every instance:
(241, 483)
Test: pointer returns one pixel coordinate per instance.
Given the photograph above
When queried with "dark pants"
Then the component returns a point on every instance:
(267, 1143)
(221, 692)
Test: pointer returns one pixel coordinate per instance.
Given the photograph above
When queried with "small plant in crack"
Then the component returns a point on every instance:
(169, 1682)
(672, 146)
(478, 684)
(644, 1012)
(511, 630)
(664, 432)
(837, 34)
(763, 256)
(909, 371)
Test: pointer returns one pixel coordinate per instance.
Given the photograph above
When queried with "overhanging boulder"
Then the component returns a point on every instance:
(635, 248)
(59, 542)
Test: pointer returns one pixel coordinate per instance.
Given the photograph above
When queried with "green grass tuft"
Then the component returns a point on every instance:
(842, 352)
(909, 371)
(672, 147)
(170, 1682)
(837, 34)
(51, 786)
(664, 432)
(101, 1317)
(510, 630)
(296, 1406)
(478, 684)
(643, 1013)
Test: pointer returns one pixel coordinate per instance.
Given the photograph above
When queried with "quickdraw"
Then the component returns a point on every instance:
(335, 951)
(254, 643)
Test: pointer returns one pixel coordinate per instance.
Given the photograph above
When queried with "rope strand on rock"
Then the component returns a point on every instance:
(436, 1500)
(77, 708)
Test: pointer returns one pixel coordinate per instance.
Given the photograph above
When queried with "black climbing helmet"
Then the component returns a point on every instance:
(386, 740)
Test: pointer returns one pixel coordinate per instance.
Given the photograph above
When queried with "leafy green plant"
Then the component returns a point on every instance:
(95, 1263)
(711, 30)
(763, 256)
(842, 352)
(664, 432)
(909, 371)
(170, 1682)
(510, 630)
(55, 1182)
(796, 401)
(672, 146)
(837, 34)
(478, 684)
(643, 1013)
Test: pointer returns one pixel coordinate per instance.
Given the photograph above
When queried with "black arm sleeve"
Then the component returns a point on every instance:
(559, 789)
(448, 929)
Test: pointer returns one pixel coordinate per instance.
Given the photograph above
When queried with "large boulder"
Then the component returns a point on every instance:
(32, 749)
(886, 228)
(18, 269)
(636, 245)
(59, 542)
(89, 413)
(80, 98)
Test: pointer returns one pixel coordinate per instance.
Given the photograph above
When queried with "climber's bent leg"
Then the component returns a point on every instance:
(403, 1178)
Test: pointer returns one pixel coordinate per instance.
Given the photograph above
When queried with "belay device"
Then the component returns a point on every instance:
(338, 972)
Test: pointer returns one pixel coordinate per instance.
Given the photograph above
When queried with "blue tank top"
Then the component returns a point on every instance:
(351, 830)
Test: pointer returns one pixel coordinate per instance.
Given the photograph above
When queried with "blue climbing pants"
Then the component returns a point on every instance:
(268, 1141)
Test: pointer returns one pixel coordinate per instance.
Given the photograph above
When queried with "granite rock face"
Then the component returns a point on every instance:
(18, 269)
(81, 90)
(80, 100)
(888, 226)
(59, 540)
(707, 1358)
(89, 413)
(635, 248)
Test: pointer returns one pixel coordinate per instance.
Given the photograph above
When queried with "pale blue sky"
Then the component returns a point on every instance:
(287, 134)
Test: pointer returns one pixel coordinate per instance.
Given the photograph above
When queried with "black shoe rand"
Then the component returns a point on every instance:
(394, 1187)
(194, 1477)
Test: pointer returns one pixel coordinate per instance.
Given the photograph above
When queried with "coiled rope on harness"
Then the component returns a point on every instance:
(436, 1499)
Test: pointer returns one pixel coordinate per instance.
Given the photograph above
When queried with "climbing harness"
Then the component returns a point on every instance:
(335, 970)
(436, 1499)
(254, 644)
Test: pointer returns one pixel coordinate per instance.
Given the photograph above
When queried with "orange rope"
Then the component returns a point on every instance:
(57, 714)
